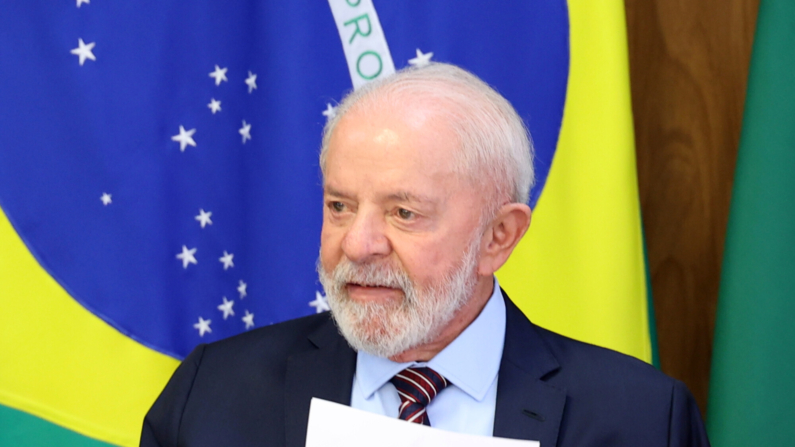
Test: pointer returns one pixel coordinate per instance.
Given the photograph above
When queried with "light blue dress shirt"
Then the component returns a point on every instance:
(470, 363)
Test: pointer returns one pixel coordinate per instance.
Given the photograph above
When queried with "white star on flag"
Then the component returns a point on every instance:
(184, 138)
(219, 74)
(422, 59)
(187, 256)
(251, 81)
(227, 260)
(330, 111)
(226, 308)
(320, 303)
(106, 200)
(245, 131)
(80, 2)
(241, 288)
(83, 51)
(215, 106)
(203, 326)
(204, 217)
(249, 320)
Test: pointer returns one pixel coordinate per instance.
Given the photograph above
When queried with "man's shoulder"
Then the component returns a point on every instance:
(271, 343)
(603, 367)
(223, 391)
(573, 364)
(612, 395)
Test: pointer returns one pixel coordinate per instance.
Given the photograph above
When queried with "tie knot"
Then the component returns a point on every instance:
(416, 388)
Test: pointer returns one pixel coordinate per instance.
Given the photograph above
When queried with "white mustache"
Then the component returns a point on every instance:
(371, 275)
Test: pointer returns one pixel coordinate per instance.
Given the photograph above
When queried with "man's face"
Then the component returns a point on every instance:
(400, 240)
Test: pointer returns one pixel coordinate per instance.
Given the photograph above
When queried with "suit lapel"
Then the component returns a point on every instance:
(325, 371)
(527, 407)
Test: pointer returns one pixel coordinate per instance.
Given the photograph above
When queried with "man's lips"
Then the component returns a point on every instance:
(361, 292)
(369, 286)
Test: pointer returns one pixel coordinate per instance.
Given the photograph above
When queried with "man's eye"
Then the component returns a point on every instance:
(337, 206)
(405, 214)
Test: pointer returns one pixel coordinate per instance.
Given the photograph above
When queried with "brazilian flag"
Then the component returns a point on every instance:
(159, 182)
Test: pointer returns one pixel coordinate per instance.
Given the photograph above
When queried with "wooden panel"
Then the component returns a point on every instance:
(689, 63)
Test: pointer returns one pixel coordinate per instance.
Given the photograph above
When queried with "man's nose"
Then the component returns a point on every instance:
(366, 238)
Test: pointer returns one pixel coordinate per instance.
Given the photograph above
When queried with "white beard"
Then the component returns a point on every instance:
(387, 329)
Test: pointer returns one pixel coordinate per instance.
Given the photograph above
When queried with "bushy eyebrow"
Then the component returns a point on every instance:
(399, 196)
(330, 191)
(405, 196)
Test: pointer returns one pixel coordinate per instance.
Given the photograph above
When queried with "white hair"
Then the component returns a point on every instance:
(496, 149)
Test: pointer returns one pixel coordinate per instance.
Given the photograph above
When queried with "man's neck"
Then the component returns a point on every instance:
(460, 321)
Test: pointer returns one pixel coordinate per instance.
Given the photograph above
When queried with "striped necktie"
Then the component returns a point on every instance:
(416, 388)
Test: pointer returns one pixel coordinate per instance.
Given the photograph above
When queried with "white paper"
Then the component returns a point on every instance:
(335, 425)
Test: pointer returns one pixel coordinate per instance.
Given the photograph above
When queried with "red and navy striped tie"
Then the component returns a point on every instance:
(417, 387)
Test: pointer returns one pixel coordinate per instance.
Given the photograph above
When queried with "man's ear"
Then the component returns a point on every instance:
(502, 236)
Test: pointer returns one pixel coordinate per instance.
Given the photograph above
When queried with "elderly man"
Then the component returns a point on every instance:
(426, 175)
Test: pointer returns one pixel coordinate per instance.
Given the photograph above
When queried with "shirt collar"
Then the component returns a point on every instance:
(471, 362)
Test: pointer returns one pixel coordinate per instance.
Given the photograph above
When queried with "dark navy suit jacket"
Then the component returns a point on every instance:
(254, 390)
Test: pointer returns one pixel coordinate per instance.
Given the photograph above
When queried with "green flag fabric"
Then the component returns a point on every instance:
(21, 429)
(752, 388)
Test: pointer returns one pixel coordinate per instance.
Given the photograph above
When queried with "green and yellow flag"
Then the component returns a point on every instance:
(159, 185)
